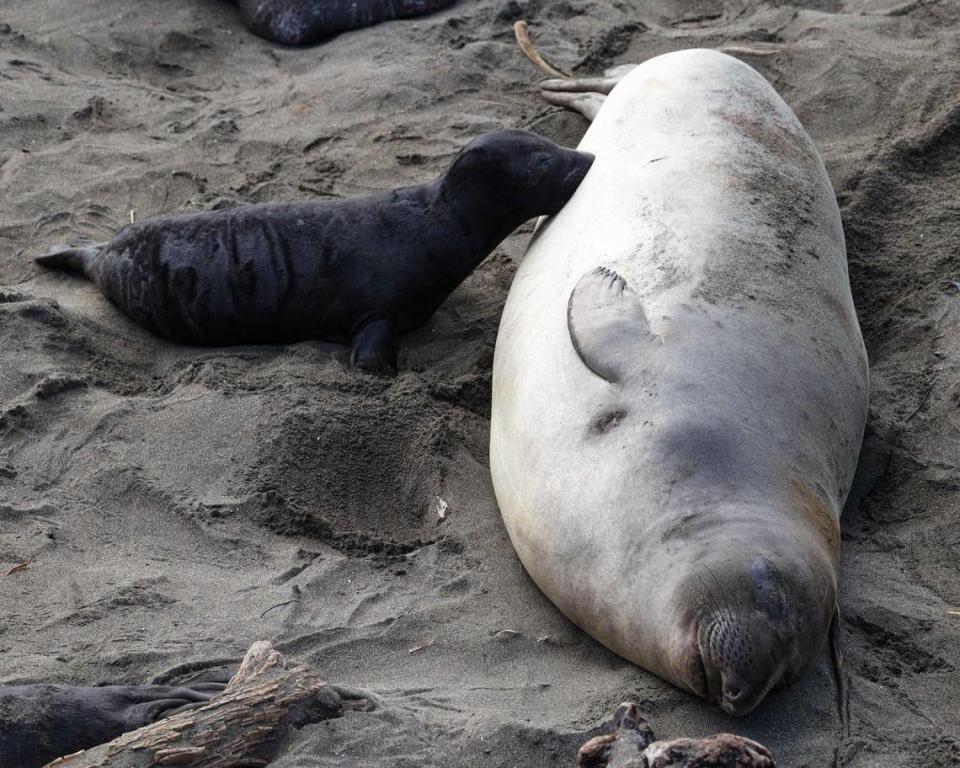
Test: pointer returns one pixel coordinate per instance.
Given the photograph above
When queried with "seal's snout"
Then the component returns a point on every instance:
(521, 170)
(753, 624)
(736, 696)
(744, 655)
(579, 166)
(573, 167)
(585, 159)
(733, 690)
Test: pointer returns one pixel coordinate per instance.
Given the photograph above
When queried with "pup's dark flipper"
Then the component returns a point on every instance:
(79, 257)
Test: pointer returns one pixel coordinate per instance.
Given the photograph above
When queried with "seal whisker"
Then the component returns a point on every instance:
(712, 602)
(735, 621)
(734, 604)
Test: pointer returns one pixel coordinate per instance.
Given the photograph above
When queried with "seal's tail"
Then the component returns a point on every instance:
(78, 256)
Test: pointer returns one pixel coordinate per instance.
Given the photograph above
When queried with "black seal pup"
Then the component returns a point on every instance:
(39, 723)
(357, 270)
(304, 22)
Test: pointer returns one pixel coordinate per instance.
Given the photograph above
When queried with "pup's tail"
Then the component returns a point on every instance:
(78, 256)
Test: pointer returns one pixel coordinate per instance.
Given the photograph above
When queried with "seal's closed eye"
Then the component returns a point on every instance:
(769, 588)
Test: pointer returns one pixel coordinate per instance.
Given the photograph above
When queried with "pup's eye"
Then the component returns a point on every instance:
(538, 165)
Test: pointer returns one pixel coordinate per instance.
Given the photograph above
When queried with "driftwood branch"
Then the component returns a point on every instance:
(271, 697)
(632, 745)
(246, 726)
(522, 33)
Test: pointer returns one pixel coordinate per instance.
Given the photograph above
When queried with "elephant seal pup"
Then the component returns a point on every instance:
(358, 270)
(39, 723)
(680, 385)
(304, 22)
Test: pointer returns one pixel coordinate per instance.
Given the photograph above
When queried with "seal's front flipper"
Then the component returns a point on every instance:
(145, 704)
(374, 348)
(607, 325)
(141, 705)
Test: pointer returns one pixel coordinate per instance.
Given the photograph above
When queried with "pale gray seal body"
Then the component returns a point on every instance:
(680, 385)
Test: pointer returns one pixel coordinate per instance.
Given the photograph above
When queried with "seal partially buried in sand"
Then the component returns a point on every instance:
(39, 723)
(304, 22)
(680, 385)
(356, 270)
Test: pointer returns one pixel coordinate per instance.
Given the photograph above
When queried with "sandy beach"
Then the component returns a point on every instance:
(175, 504)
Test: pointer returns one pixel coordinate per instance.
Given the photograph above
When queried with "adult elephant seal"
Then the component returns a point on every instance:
(304, 22)
(680, 385)
(39, 723)
(356, 270)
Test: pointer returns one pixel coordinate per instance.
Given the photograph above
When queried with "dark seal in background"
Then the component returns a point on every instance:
(304, 22)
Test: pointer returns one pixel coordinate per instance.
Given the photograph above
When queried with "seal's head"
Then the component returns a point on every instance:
(520, 171)
(755, 625)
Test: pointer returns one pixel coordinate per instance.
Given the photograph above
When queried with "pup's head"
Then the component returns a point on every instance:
(520, 171)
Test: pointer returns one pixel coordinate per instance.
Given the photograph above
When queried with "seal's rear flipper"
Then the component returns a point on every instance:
(587, 104)
(599, 86)
(584, 94)
(78, 256)
(607, 324)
